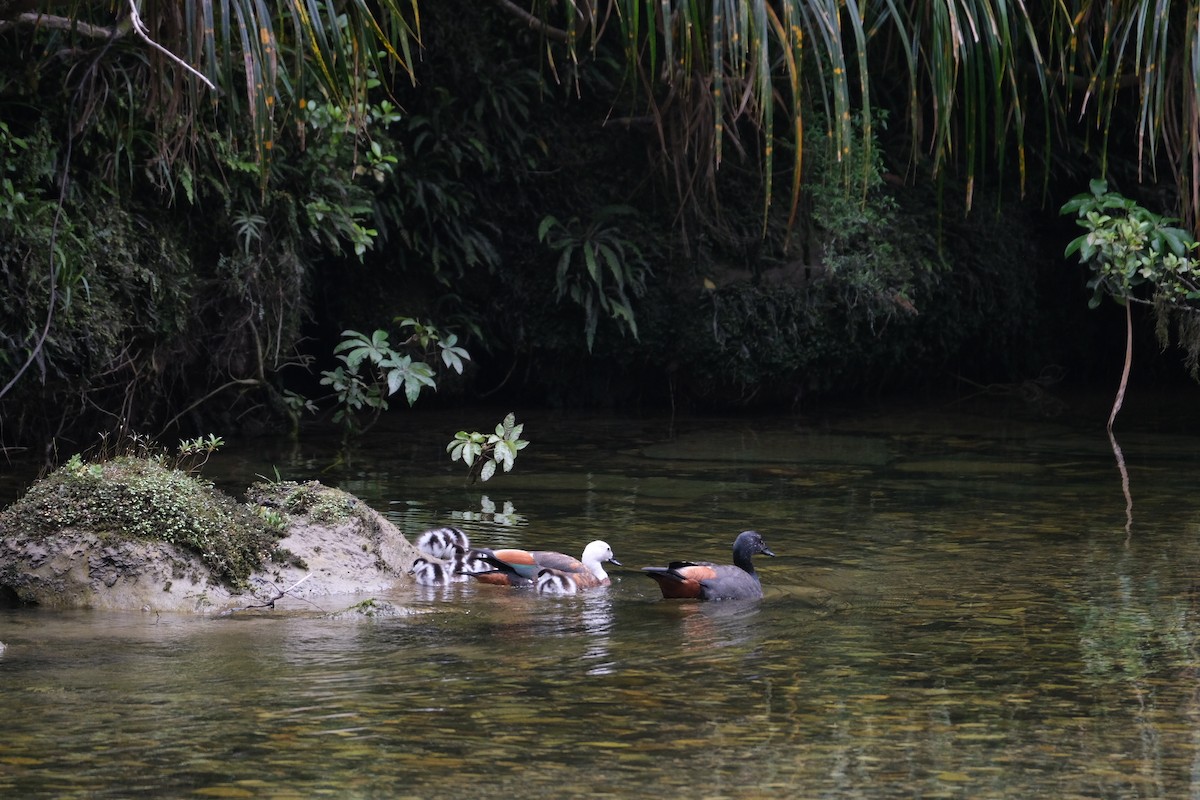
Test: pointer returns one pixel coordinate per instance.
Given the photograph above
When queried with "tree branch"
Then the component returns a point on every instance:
(1120, 398)
(538, 24)
(269, 602)
(63, 24)
(209, 396)
(102, 32)
(140, 28)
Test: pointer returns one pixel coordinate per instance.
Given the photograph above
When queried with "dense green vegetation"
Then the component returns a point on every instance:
(602, 212)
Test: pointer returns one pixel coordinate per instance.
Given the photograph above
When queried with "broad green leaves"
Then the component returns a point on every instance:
(358, 347)
(372, 370)
(484, 453)
(1126, 246)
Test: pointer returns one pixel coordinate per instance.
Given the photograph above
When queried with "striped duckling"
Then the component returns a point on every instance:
(511, 567)
(428, 572)
(450, 547)
(704, 580)
(562, 581)
(469, 562)
(443, 542)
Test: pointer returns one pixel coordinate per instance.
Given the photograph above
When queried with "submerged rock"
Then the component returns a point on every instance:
(134, 534)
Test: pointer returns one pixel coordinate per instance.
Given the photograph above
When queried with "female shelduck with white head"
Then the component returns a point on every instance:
(552, 580)
(511, 567)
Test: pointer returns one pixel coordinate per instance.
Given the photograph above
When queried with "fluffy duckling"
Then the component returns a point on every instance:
(551, 582)
(466, 563)
(430, 573)
(441, 543)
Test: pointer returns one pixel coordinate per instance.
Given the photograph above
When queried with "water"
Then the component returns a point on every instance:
(963, 605)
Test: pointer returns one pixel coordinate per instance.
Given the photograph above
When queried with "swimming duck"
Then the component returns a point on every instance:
(704, 580)
(442, 542)
(430, 573)
(551, 580)
(513, 567)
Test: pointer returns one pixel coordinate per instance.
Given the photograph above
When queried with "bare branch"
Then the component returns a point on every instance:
(538, 24)
(102, 32)
(210, 395)
(140, 28)
(269, 602)
(63, 24)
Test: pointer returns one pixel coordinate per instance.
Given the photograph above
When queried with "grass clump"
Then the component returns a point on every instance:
(142, 497)
(321, 504)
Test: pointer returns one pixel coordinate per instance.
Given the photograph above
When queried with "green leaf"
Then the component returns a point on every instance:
(488, 470)
(1178, 240)
(1074, 246)
(547, 223)
(504, 454)
(593, 269)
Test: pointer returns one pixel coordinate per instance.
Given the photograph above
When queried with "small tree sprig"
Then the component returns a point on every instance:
(483, 453)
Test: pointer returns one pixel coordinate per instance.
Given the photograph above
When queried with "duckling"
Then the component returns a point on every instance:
(552, 582)
(441, 542)
(466, 563)
(430, 573)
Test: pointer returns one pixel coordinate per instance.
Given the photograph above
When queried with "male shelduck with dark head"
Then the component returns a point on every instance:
(704, 580)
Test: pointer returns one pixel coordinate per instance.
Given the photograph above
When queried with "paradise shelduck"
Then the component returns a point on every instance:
(441, 543)
(430, 573)
(512, 567)
(704, 580)
(551, 580)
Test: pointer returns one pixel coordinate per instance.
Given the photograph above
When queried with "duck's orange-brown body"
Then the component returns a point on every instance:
(682, 579)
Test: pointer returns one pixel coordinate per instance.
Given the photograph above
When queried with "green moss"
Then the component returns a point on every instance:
(319, 503)
(141, 498)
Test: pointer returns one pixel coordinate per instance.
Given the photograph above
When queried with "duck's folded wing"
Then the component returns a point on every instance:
(682, 564)
(520, 563)
(729, 583)
(549, 559)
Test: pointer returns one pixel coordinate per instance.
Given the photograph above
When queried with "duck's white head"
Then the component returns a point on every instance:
(594, 556)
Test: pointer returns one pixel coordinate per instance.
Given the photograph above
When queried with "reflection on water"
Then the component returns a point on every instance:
(956, 610)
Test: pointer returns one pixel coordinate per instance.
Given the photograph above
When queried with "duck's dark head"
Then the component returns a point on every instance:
(749, 543)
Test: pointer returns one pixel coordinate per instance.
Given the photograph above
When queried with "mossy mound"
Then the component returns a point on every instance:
(143, 498)
(135, 533)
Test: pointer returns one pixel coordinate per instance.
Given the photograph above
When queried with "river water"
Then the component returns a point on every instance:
(965, 603)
